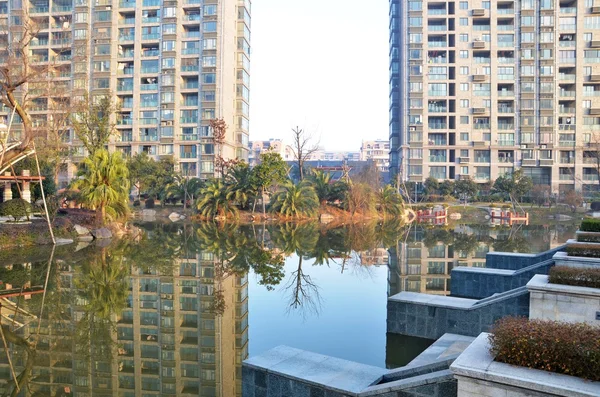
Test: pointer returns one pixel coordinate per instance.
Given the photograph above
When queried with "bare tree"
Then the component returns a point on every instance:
(92, 121)
(304, 293)
(219, 130)
(29, 89)
(303, 148)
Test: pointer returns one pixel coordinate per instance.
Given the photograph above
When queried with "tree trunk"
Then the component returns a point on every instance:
(101, 214)
(263, 201)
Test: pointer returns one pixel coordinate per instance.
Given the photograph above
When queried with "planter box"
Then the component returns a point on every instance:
(589, 235)
(562, 259)
(558, 302)
(479, 375)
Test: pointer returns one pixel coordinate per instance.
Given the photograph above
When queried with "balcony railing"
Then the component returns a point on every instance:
(188, 137)
(149, 87)
(437, 159)
(150, 36)
(39, 9)
(149, 138)
(590, 177)
(506, 143)
(68, 8)
(188, 120)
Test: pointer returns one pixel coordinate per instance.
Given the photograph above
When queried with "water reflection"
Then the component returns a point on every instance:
(169, 314)
(424, 260)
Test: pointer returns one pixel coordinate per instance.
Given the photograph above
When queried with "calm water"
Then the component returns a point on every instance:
(177, 312)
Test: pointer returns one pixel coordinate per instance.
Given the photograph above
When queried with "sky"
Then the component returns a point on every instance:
(321, 65)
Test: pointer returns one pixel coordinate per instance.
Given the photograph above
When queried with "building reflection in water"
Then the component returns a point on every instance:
(168, 340)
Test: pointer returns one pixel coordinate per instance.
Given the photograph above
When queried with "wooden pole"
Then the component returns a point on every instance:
(37, 163)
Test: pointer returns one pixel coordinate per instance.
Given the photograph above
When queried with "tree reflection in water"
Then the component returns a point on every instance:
(87, 291)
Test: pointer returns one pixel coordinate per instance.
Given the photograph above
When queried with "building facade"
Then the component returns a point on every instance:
(170, 67)
(377, 151)
(481, 88)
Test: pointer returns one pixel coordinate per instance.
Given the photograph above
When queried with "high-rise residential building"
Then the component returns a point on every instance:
(170, 66)
(377, 151)
(481, 88)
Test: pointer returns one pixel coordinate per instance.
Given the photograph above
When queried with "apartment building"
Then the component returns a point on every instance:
(171, 66)
(377, 151)
(481, 88)
(166, 342)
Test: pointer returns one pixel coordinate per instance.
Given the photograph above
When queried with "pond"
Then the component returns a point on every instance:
(178, 311)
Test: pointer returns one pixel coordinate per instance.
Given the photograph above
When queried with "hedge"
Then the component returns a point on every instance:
(588, 237)
(590, 225)
(17, 208)
(584, 249)
(565, 348)
(575, 276)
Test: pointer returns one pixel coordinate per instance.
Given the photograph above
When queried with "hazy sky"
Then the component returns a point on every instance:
(321, 65)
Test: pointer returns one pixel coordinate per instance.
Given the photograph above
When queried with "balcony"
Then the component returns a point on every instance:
(188, 155)
(479, 77)
(437, 159)
(188, 137)
(150, 36)
(188, 120)
(150, 53)
(479, 110)
(506, 126)
(127, 21)
(566, 143)
(478, 12)
(506, 142)
(148, 87)
(127, 37)
(506, 160)
(506, 109)
(190, 51)
(148, 121)
(566, 94)
(127, 4)
(39, 9)
(124, 121)
(478, 44)
(464, 160)
(62, 9)
(437, 126)
(149, 138)
(125, 87)
(150, 20)
(152, 70)
(149, 104)
(192, 18)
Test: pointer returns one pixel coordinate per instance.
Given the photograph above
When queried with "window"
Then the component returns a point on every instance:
(485, 5)
(209, 44)
(209, 26)
(527, 21)
(464, 54)
(587, 104)
(415, 22)
(169, 45)
(587, 37)
(464, 37)
(463, 5)
(464, 86)
(464, 21)
(415, 38)
(169, 28)
(210, 9)
(464, 103)
(464, 119)
(169, 12)
(464, 136)
(464, 70)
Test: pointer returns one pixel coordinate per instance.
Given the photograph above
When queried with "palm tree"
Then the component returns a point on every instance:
(104, 184)
(239, 180)
(213, 201)
(389, 201)
(182, 188)
(295, 200)
(320, 182)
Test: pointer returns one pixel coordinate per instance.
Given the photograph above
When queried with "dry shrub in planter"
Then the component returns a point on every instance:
(590, 225)
(584, 249)
(565, 348)
(574, 276)
(16, 208)
(588, 237)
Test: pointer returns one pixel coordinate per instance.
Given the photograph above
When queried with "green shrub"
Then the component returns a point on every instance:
(587, 237)
(149, 203)
(584, 249)
(590, 225)
(17, 208)
(566, 348)
(575, 276)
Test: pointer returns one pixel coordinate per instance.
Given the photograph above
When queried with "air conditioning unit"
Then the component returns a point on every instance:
(543, 146)
(523, 146)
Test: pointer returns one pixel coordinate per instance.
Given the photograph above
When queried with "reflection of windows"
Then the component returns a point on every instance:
(436, 267)
(435, 284)
(413, 270)
(438, 251)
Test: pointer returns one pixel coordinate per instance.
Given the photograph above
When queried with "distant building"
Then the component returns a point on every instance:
(334, 156)
(377, 151)
(256, 148)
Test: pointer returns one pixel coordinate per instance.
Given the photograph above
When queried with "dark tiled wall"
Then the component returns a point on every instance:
(432, 322)
(475, 285)
(500, 260)
(257, 383)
